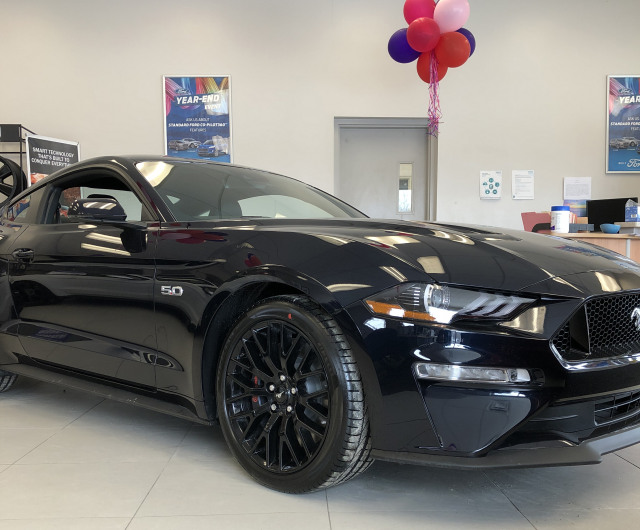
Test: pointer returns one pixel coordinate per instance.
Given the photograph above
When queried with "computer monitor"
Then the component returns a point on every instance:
(600, 211)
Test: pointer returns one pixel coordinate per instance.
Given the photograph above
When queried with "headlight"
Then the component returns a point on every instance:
(444, 304)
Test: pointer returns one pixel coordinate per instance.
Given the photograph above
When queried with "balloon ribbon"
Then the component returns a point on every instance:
(433, 114)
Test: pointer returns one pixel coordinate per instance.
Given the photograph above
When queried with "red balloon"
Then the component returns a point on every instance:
(423, 34)
(418, 8)
(424, 68)
(453, 49)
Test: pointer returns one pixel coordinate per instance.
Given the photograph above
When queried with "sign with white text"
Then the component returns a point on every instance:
(47, 155)
(197, 117)
(623, 124)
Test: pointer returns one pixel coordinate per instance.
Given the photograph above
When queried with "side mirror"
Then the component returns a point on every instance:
(96, 209)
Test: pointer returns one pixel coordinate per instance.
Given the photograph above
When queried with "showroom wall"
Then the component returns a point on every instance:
(532, 96)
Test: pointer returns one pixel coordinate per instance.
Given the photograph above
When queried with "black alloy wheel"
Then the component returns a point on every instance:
(12, 180)
(290, 398)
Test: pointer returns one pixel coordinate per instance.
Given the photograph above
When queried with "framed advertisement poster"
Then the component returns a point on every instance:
(197, 117)
(46, 155)
(623, 124)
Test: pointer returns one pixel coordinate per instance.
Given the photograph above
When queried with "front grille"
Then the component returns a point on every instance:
(603, 328)
(582, 420)
(617, 408)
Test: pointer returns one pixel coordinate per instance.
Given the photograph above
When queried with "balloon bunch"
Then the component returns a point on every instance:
(436, 38)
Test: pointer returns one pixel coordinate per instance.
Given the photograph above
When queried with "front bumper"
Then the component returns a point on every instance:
(543, 454)
(562, 418)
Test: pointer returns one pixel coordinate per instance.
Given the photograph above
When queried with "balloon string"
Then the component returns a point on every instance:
(433, 113)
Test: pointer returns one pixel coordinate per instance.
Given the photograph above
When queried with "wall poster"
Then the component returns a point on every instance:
(46, 155)
(623, 124)
(197, 117)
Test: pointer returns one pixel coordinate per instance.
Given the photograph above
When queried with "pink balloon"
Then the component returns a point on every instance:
(451, 15)
(417, 9)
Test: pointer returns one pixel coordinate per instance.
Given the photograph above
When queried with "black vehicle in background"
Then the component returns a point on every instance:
(319, 339)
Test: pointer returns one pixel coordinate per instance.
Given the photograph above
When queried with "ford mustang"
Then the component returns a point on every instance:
(318, 339)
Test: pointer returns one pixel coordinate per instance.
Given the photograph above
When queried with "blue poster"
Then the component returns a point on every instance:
(623, 127)
(197, 117)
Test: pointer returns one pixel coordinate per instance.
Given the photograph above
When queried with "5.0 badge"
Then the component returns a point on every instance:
(171, 290)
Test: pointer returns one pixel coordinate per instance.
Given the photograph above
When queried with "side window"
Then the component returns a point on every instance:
(92, 185)
(127, 199)
(25, 210)
(18, 210)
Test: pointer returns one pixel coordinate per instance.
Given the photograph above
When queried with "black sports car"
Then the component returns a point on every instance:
(318, 338)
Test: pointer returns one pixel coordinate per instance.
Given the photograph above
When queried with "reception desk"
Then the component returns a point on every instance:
(626, 244)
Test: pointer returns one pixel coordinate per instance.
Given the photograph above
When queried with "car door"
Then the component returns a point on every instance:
(83, 289)
(12, 182)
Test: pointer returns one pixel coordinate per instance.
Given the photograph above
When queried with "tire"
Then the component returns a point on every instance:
(6, 380)
(290, 398)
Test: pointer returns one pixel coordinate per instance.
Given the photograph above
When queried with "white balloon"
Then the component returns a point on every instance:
(451, 15)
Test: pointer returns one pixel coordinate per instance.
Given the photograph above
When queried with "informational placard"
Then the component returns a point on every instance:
(197, 117)
(522, 184)
(491, 184)
(623, 124)
(577, 188)
(47, 155)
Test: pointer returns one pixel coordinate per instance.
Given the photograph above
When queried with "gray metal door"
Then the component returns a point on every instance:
(382, 168)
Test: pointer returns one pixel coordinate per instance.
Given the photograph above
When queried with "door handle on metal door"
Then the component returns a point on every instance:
(24, 255)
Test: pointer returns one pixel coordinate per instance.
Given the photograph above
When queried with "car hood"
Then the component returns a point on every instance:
(479, 256)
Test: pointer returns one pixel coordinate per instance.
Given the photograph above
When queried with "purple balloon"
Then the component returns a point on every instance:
(399, 48)
(470, 38)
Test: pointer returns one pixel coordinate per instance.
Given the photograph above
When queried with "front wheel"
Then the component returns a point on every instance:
(290, 397)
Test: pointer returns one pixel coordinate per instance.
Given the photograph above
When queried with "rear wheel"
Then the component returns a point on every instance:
(6, 380)
(290, 398)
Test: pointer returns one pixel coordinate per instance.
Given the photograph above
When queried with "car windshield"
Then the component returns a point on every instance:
(205, 191)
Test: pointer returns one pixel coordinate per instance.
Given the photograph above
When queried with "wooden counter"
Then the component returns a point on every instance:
(626, 244)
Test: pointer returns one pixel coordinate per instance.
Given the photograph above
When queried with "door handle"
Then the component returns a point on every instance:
(24, 255)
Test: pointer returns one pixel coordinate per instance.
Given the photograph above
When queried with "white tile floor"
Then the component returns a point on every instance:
(69, 460)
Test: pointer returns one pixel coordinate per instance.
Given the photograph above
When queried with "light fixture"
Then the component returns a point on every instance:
(471, 374)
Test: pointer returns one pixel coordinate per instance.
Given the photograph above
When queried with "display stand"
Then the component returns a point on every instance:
(12, 178)
(14, 133)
